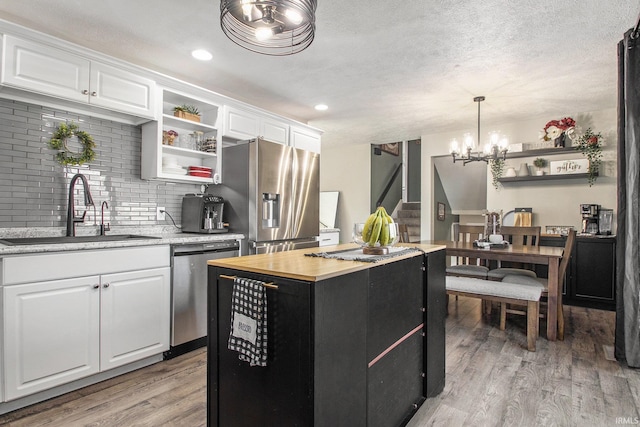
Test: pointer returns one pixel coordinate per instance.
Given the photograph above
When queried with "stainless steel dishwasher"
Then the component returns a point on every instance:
(189, 292)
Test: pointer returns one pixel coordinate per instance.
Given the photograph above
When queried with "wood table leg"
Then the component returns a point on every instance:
(555, 293)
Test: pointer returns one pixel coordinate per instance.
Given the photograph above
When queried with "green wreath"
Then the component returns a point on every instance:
(59, 142)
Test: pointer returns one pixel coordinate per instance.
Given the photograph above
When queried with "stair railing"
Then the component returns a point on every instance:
(389, 185)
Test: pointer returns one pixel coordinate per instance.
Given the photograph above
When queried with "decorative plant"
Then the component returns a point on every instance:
(59, 141)
(187, 108)
(555, 129)
(590, 144)
(497, 168)
(540, 162)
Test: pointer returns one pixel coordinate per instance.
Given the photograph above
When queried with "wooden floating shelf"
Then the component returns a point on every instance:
(542, 152)
(544, 177)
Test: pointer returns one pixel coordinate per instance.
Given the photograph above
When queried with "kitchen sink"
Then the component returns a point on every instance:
(71, 239)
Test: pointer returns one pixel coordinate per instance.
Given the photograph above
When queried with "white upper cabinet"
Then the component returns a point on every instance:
(305, 139)
(120, 90)
(44, 69)
(246, 124)
(240, 124)
(61, 74)
(273, 130)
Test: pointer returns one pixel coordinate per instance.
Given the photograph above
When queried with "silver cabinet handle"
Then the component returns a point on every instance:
(96, 286)
(94, 93)
(85, 92)
(106, 285)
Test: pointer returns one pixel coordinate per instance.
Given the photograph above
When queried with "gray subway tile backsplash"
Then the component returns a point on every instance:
(33, 186)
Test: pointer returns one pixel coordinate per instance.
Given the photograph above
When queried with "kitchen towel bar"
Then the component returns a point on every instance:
(269, 285)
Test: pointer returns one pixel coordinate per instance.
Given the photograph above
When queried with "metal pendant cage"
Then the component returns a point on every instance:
(242, 19)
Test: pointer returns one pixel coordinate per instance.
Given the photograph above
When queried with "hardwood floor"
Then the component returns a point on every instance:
(492, 380)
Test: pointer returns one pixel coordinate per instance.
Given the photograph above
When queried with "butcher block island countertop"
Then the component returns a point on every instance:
(295, 265)
(348, 343)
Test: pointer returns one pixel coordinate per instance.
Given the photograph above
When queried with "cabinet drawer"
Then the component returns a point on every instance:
(328, 239)
(61, 265)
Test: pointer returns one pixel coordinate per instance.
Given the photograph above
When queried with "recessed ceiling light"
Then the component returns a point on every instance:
(202, 55)
(321, 107)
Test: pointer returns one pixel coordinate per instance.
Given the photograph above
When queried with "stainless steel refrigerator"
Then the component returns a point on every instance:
(272, 195)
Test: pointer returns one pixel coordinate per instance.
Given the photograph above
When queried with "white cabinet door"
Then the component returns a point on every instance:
(305, 139)
(51, 334)
(121, 90)
(274, 131)
(45, 69)
(135, 316)
(61, 74)
(240, 124)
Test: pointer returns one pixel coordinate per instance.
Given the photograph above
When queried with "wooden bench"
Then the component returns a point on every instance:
(504, 293)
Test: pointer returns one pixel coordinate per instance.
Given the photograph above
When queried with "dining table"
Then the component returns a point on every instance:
(542, 255)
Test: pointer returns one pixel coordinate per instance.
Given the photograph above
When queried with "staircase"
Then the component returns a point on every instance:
(409, 214)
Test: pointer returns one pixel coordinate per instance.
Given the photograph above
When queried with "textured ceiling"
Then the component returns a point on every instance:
(389, 71)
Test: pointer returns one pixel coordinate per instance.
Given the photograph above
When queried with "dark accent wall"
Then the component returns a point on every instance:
(415, 171)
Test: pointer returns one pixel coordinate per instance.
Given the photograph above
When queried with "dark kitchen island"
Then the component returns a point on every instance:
(349, 343)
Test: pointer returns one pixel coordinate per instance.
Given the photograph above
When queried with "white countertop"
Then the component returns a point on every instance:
(329, 230)
(159, 236)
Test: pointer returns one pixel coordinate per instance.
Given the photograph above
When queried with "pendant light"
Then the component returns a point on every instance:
(270, 27)
(493, 150)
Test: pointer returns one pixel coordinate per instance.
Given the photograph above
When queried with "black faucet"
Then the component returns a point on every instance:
(71, 208)
(104, 228)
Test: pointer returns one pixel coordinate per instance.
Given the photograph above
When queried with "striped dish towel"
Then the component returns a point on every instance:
(249, 321)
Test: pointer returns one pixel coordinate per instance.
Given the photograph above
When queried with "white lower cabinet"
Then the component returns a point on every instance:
(135, 316)
(51, 334)
(58, 331)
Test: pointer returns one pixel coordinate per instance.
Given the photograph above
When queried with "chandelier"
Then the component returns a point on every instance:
(493, 150)
(270, 27)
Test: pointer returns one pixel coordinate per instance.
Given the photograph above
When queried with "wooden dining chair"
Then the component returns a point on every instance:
(403, 233)
(468, 267)
(537, 281)
(521, 236)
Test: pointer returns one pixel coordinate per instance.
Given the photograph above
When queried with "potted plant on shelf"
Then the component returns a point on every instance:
(188, 112)
(590, 144)
(540, 163)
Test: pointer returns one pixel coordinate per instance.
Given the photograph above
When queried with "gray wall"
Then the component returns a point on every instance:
(33, 186)
(414, 171)
(442, 229)
(382, 168)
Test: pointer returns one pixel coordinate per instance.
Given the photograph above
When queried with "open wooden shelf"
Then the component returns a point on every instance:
(542, 152)
(544, 177)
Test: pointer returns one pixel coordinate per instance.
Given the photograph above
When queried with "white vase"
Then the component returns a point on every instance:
(511, 172)
(524, 170)
(539, 173)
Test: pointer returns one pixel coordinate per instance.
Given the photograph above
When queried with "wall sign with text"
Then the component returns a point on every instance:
(566, 167)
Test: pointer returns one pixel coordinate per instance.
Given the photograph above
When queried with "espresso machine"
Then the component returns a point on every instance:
(590, 218)
(202, 213)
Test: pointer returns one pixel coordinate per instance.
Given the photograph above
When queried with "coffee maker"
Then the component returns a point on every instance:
(590, 218)
(202, 213)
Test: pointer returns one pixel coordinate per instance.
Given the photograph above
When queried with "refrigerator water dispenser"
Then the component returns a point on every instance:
(270, 210)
